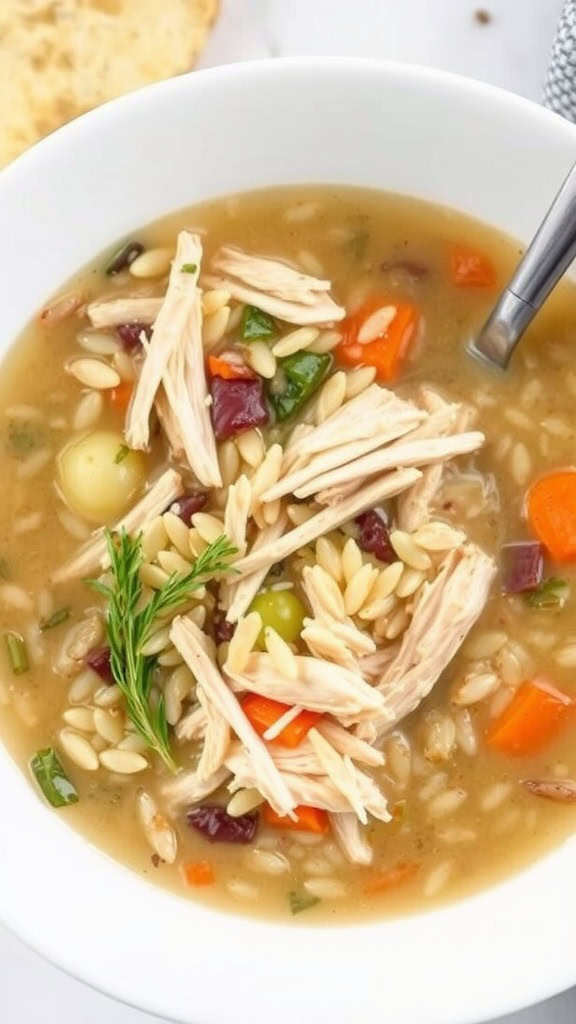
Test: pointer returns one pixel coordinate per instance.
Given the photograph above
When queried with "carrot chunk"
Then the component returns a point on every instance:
(199, 872)
(120, 397)
(470, 268)
(551, 504)
(229, 371)
(262, 712)
(308, 819)
(386, 352)
(391, 879)
(532, 719)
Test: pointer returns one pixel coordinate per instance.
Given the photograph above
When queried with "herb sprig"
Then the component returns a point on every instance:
(129, 626)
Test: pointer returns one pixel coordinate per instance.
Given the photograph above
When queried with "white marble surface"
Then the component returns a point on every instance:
(511, 51)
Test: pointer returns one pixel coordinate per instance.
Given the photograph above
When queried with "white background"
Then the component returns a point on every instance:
(511, 51)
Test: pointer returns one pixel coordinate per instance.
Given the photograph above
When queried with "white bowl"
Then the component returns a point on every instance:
(403, 128)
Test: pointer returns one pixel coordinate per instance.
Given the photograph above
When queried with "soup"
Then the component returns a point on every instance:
(287, 595)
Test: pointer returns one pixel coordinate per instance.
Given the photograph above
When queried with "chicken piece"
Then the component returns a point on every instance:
(188, 788)
(328, 519)
(169, 425)
(275, 287)
(187, 639)
(372, 666)
(217, 738)
(355, 431)
(237, 597)
(351, 839)
(445, 612)
(301, 760)
(237, 512)
(413, 508)
(405, 453)
(320, 686)
(340, 770)
(112, 312)
(192, 726)
(92, 556)
(347, 743)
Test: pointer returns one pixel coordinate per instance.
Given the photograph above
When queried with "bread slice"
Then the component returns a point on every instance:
(59, 58)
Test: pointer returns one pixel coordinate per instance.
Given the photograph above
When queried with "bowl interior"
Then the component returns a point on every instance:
(403, 129)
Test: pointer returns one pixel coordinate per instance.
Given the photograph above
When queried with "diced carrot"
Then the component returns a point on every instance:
(388, 351)
(532, 719)
(308, 819)
(470, 268)
(199, 872)
(551, 504)
(120, 397)
(262, 712)
(229, 371)
(392, 878)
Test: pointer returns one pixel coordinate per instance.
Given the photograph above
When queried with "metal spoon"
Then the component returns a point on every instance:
(549, 256)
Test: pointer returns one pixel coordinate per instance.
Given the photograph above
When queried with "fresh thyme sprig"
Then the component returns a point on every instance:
(129, 626)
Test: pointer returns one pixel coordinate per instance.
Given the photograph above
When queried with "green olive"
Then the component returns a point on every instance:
(99, 476)
(282, 610)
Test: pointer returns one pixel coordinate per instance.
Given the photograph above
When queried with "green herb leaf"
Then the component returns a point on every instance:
(300, 901)
(17, 653)
(55, 619)
(303, 373)
(129, 629)
(189, 268)
(256, 324)
(121, 454)
(47, 769)
(552, 593)
(24, 437)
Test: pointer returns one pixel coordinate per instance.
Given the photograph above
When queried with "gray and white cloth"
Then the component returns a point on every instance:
(560, 86)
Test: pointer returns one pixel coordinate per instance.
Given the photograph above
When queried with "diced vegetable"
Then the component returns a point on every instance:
(188, 505)
(218, 826)
(121, 454)
(262, 712)
(551, 504)
(301, 374)
(256, 324)
(24, 437)
(55, 619)
(373, 536)
(47, 769)
(94, 484)
(222, 630)
(308, 819)
(470, 268)
(229, 371)
(199, 872)
(123, 257)
(300, 901)
(17, 653)
(552, 593)
(189, 268)
(99, 661)
(384, 881)
(532, 719)
(121, 397)
(522, 566)
(129, 334)
(282, 610)
(237, 405)
(388, 351)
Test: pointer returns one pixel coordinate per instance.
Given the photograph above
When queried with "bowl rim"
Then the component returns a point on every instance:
(80, 956)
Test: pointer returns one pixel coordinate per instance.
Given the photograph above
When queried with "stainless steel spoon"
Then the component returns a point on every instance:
(549, 256)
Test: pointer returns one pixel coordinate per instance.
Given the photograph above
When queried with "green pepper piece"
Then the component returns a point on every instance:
(551, 593)
(303, 373)
(256, 324)
(52, 779)
(299, 901)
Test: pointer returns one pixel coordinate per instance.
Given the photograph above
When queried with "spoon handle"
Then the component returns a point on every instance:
(548, 257)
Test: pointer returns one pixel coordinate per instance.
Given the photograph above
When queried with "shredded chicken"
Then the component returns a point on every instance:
(192, 725)
(351, 839)
(169, 424)
(346, 743)
(217, 737)
(237, 597)
(237, 513)
(187, 639)
(446, 610)
(320, 686)
(275, 287)
(413, 508)
(188, 788)
(328, 519)
(175, 358)
(112, 312)
(91, 557)
(340, 770)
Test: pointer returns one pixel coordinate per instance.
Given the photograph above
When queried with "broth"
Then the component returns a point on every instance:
(460, 822)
